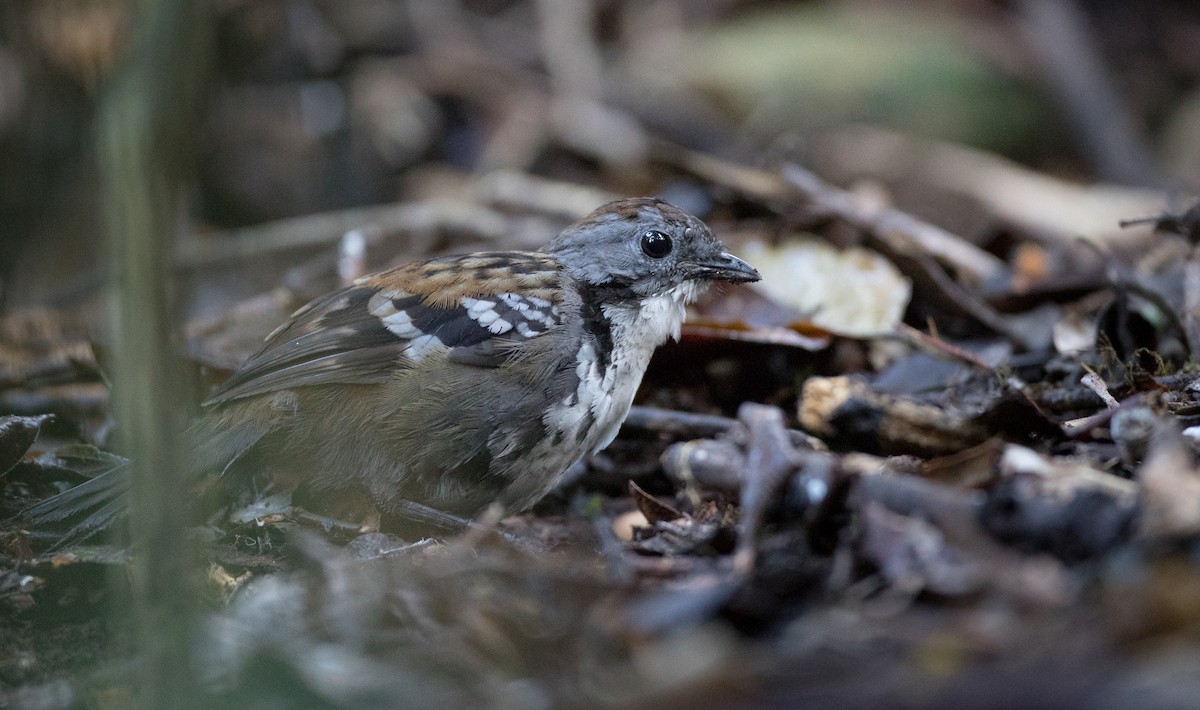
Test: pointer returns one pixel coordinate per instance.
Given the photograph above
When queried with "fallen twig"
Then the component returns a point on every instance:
(698, 426)
(328, 227)
(938, 346)
(899, 231)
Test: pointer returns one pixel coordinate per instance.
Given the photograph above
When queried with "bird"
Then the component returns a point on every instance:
(450, 384)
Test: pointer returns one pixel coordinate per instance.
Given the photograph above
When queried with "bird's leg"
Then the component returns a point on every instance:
(403, 514)
(409, 519)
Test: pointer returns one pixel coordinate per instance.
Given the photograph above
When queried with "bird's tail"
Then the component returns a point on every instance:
(84, 510)
(97, 504)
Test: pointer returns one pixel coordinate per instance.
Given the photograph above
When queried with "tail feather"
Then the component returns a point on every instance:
(98, 503)
(90, 507)
(101, 519)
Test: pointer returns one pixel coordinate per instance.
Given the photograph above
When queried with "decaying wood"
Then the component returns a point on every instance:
(1066, 508)
(846, 409)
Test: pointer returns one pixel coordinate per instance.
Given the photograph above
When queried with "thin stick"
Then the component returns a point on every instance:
(328, 227)
(941, 347)
(899, 231)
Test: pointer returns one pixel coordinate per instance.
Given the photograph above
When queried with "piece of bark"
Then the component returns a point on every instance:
(1059, 506)
(846, 409)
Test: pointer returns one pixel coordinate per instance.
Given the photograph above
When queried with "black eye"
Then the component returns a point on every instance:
(655, 244)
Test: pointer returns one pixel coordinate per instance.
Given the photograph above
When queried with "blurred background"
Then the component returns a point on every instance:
(318, 105)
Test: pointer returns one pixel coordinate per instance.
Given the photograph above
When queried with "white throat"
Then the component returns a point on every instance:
(645, 327)
(636, 332)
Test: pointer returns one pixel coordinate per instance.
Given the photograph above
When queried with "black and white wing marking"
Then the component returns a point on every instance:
(475, 309)
(477, 331)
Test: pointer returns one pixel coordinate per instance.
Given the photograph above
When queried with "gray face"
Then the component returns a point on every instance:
(646, 245)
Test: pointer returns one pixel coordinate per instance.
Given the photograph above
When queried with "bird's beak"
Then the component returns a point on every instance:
(725, 267)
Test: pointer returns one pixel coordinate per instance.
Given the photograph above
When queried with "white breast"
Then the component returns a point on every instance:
(607, 395)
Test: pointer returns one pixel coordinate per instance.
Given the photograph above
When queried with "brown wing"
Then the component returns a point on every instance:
(472, 308)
